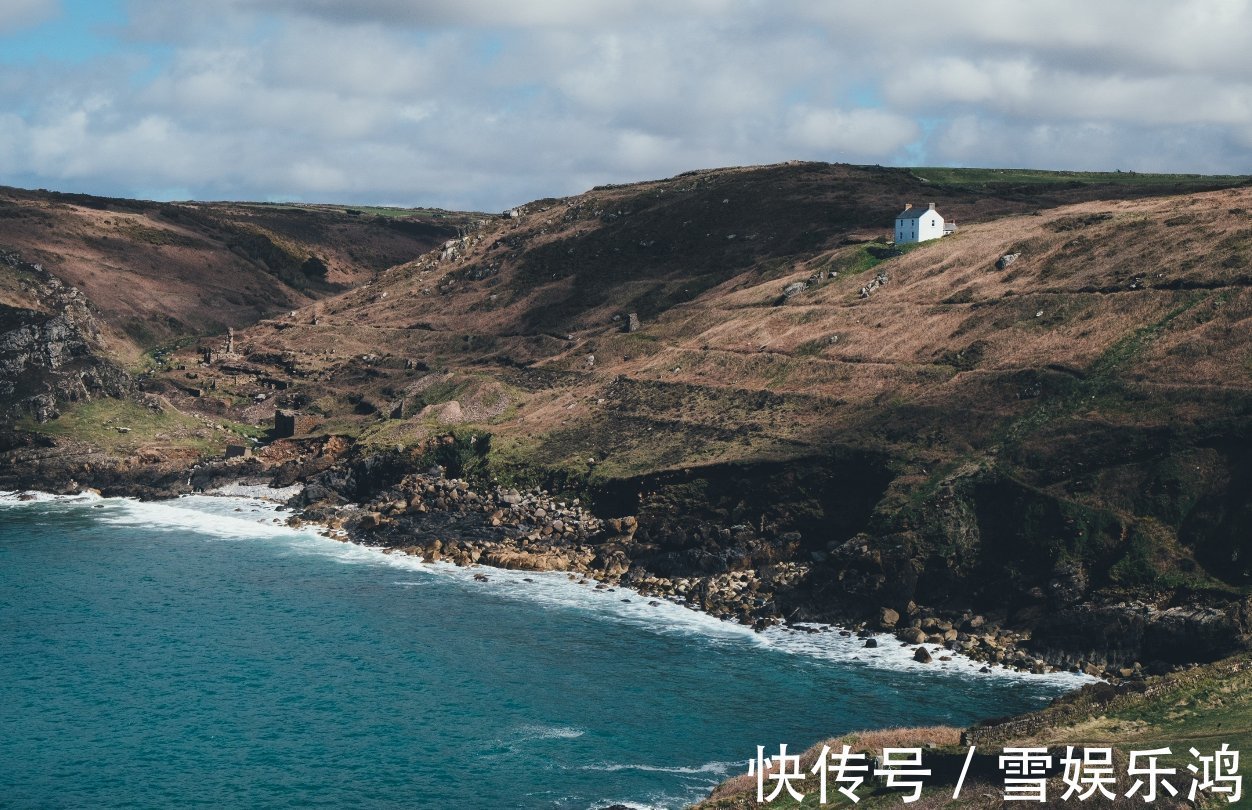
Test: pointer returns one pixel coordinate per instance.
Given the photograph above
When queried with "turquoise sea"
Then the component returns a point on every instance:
(196, 653)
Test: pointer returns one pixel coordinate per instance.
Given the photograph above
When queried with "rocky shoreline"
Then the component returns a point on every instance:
(535, 531)
(734, 564)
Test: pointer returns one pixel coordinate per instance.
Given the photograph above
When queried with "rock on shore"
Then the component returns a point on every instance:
(447, 520)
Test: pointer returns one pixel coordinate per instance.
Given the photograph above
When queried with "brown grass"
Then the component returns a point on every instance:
(1107, 291)
(159, 272)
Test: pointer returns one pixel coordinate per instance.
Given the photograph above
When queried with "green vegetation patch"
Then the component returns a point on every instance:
(1124, 351)
(1201, 707)
(858, 259)
(158, 358)
(121, 426)
(462, 452)
(1035, 177)
(1103, 388)
(1153, 560)
(1078, 221)
(159, 236)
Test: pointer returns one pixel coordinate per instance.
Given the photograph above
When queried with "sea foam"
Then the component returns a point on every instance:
(233, 517)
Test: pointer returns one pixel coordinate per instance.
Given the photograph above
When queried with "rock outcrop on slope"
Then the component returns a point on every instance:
(51, 348)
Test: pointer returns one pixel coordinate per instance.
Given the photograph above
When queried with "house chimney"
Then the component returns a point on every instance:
(907, 206)
(932, 206)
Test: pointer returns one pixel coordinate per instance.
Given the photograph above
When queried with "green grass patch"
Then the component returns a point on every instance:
(1121, 353)
(246, 430)
(438, 393)
(812, 348)
(1036, 177)
(1203, 707)
(348, 426)
(121, 426)
(1101, 390)
(861, 258)
(147, 235)
(1153, 560)
(394, 433)
(161, 358)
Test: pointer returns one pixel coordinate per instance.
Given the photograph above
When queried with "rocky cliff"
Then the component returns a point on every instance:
(52, 349)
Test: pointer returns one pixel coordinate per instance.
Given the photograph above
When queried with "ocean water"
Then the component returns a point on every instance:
(194, 652)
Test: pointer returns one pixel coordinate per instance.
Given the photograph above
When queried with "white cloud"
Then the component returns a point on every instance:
(485, 103)
(852, 134)
(1082, 145)
(18, 14)
(1025, 88)
(500, 13)
(1113, 35)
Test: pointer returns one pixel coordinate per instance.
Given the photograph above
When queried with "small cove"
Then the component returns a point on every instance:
(196, 652)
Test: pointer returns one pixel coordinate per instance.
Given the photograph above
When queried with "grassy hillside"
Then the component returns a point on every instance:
(1129, 180)
(160, 271)
(704, 259)
(1060, 440)
(96, 290)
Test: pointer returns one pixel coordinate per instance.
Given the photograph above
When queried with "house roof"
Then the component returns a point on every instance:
(914, 213)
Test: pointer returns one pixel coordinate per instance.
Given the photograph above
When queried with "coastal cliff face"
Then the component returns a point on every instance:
(1092, 582)
(932, 440)
(51, 346)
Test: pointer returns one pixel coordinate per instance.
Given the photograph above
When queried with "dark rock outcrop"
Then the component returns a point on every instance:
(51, 351)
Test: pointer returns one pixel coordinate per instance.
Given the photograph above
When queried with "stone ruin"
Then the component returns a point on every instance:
(878, 281)
(288, 423)
(238, 451)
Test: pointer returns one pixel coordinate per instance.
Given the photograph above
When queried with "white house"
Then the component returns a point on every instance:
(918, 224)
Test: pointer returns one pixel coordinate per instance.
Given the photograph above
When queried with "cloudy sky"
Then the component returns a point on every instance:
(486, 103)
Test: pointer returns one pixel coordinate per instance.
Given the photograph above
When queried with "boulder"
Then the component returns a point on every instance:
(922, 656)
(911, 635)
